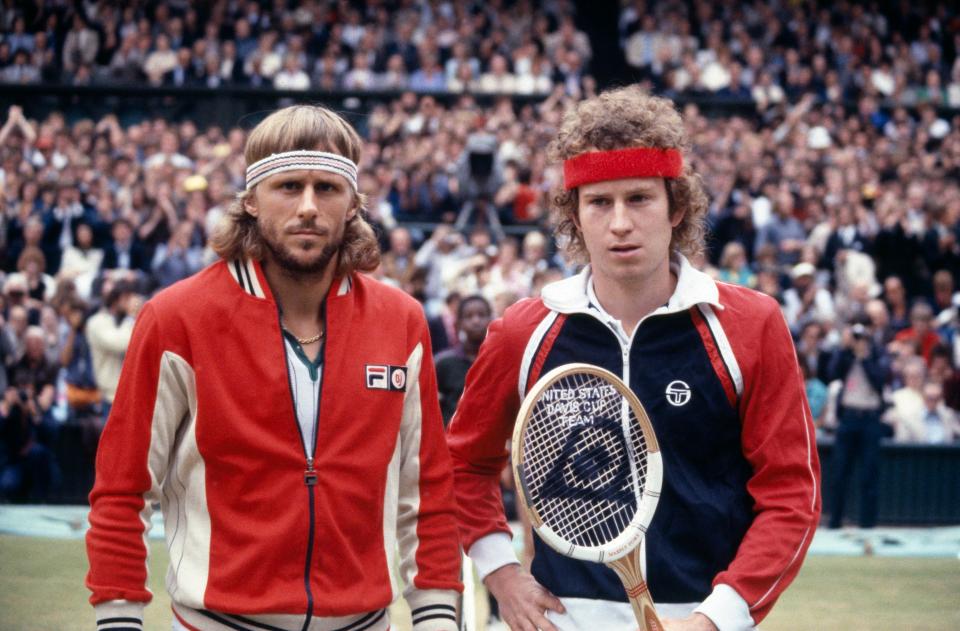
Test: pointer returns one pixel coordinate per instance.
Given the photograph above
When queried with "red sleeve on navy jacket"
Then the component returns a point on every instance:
(779, 442)
(483, 424)
(115, 541)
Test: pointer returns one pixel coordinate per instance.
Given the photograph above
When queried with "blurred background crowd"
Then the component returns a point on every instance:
(834, 182)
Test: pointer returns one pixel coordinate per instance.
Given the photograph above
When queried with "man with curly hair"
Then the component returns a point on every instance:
(712, 363)
(282, 409)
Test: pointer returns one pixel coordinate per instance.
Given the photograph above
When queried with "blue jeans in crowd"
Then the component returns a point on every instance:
(858, 438)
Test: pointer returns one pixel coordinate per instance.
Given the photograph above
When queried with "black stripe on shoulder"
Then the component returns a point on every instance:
(365, 622)
(224, 621)
(116, 620)
(254, 623)
(246, 273)
(426, 608)
(238, 268)
(436, 616)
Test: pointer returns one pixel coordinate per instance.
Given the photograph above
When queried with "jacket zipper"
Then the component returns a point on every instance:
(309, 473)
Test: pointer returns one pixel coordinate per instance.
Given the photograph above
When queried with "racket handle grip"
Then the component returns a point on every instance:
(643, 608)
(628, 569)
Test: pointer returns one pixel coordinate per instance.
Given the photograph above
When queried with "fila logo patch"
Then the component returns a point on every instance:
(678, 393)
(381, 377)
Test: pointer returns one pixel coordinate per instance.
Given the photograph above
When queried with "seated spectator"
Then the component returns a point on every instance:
(943, 371)
(498, 78)
(806, 300)
(32, 266)
(920, 335)
(161, 61)
(397, 262)
(125, 252)
(178, 258)
(21, 70)
(734, 267)
(81, 261)
(934, 423)
(292, 76)
(906, 409)
(895, 296)
(429, 76)
(360, 76)
(80, 46)
(28, 468)
(34, 370)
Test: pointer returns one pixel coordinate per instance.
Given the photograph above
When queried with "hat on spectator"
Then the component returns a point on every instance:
(195, 182)
(818, 138)
(803, 269)
(939, 128)
(15, 282)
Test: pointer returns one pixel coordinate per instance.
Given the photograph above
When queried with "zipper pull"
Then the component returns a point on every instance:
(310, 475)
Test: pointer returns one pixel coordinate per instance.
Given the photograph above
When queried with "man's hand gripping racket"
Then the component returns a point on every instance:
(589, 471)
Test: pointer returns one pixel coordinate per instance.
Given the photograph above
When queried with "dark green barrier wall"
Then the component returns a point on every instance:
(919, 484)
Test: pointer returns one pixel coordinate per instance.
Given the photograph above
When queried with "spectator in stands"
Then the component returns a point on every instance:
(397, 262)
(862, 368)
(181, 256)
(108, 334)
(473, 318)
(28, 468)
(895, 297)
(428, 77)
(933, 422)
(80, 46)
(21, 70)
(783, 231)
(906, 402)
(161, 61)
(920, 335)
(292, 76)
(734, 267)
(82, 394)
(806, 301)
(34, 370)
(443, 251)
(125, 252)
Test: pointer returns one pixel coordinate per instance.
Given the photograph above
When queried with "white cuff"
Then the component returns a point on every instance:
(492, 552)
(115, 614)
(726, 609)
(434, 609)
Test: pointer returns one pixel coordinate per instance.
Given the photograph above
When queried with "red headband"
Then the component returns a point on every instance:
(599, 166)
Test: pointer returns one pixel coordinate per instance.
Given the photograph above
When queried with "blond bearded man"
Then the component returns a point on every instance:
(282, 408)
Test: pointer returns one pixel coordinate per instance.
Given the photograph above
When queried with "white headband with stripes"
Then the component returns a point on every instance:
(300, 160)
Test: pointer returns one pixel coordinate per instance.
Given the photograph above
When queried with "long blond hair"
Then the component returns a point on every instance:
(620, 119)
(298, 127)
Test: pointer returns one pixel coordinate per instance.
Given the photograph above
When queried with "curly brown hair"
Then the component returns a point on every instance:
(298, 127)
(620, 119)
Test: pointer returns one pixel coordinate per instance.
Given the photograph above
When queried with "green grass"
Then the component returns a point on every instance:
(41, 588)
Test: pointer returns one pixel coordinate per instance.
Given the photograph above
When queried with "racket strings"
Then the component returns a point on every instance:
(577, 460)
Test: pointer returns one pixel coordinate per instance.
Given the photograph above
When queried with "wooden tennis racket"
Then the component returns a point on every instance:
(589, 471)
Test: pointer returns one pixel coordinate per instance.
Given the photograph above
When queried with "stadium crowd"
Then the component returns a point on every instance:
(839, 197)
(766, 51)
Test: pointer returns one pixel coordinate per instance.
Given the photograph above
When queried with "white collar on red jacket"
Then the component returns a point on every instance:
(572, 294)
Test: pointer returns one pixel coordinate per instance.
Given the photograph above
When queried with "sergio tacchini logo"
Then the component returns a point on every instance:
(678, 393)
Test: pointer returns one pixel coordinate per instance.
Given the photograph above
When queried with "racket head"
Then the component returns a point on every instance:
(586, 463)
